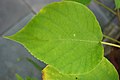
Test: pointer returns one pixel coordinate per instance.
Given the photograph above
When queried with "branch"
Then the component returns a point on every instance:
(111, 44)
(112, 39)
(109, 9)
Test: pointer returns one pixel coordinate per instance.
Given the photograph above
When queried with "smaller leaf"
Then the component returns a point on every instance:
(29, 78)
(117, 3)
(19, 77)
(85, 2)
(103, 71)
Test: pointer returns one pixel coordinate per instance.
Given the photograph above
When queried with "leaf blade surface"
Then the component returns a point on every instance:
(61, 37)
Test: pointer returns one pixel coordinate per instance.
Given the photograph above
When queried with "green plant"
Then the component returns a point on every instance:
(66, 36)
(117, 3)
(27, 78)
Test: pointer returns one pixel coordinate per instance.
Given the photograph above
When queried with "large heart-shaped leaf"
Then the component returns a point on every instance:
(81, 1)
(65, 35)
(103, 71)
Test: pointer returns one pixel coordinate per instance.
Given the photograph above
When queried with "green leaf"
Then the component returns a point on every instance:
(27, 78)
(19, 77)
(81, 1)
(103, 71)
(61, 37)
(117, 3)
(65, 35)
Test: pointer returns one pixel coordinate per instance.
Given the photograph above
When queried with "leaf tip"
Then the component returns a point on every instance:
(8, 37)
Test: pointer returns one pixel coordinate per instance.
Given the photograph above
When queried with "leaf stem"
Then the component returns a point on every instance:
(112, 39)
(109, 9)
(111, 44)
(118, 14)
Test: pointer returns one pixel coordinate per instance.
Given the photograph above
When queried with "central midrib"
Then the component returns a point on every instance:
(78, 40)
